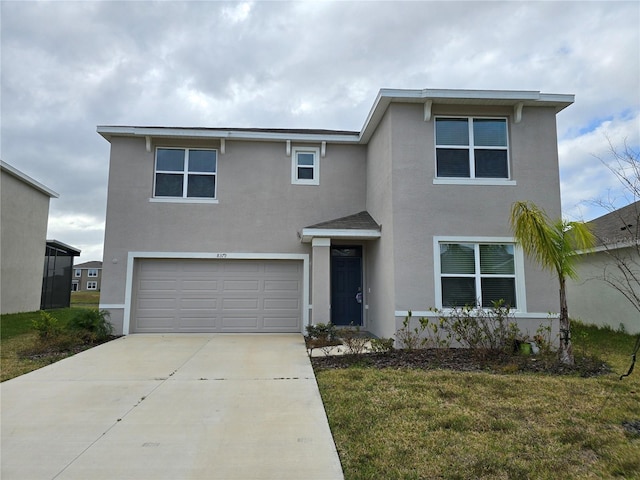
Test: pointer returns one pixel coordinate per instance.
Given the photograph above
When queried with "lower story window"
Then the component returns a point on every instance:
(92, 285)
(477, 274)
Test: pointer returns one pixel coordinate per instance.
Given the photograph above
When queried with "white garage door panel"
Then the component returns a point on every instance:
(217, 296)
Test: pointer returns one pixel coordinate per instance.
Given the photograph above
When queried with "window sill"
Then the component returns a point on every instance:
(183, 200)
(474, 181)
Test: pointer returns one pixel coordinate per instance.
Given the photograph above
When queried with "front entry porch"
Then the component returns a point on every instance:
(337, 268)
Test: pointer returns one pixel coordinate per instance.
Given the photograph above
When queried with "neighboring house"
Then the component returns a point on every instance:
(24, 208)
(56, 280)
(591, 299)
(86, 277)
(267, 230)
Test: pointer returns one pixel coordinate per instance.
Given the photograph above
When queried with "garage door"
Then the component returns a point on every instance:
(217, 296)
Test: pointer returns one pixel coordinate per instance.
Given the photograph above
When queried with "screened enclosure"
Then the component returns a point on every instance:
(56, 282)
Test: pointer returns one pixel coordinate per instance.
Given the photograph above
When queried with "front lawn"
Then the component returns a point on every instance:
(21, 349)
(405, 423)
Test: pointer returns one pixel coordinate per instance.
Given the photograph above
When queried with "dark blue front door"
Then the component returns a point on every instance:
(346, 285)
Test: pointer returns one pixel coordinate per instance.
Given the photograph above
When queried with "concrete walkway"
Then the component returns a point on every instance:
(178, 407)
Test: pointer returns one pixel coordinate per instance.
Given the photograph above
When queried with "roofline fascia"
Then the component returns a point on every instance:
(388, 95)
(384, 97)
(611, 246)
(107, 131)
(58, 244)
(28, 180)
(308, 234)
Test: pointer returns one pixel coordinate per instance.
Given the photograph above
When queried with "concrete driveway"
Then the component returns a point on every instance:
(199, 406)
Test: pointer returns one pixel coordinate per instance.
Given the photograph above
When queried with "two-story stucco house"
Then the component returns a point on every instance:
(87, 276)
(267, 230)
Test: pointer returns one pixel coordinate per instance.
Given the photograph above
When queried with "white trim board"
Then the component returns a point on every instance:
(430, 314)
(132, 256)
(521, 290)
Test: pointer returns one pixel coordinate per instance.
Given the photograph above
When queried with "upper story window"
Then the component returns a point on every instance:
(477, 274)
(305, 166)
(77, 272)
(92, 272)
(472, 148)
(185, 173)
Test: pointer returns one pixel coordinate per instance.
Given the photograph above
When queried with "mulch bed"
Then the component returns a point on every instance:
(54, 351)
(465, 360)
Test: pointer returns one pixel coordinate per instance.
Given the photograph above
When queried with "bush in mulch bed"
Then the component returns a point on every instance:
(62, 346)
(465, 360)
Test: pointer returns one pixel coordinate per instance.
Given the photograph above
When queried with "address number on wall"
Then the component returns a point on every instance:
(221, 255)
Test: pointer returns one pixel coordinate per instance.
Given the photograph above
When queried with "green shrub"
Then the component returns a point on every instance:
(322, 331)
(92, 325)
(382, 345)
(491, 329)
(410, 337)
(353, 340)
(47, 326)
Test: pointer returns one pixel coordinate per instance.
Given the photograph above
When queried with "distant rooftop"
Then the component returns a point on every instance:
(618, 226)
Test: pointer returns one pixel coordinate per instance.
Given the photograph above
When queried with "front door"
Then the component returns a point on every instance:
(346, 285)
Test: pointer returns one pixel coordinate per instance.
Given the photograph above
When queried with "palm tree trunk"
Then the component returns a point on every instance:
(566, 349)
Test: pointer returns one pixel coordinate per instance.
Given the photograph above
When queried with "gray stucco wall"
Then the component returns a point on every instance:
(258, 208)
(422, 209)
(593, 301)
(379, 290)
(24, 212)
(392, 177)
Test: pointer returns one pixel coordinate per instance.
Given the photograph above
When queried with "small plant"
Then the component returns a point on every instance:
(492, 329)
(382, 345)
(47, 326)
(412, 338)
(92, 325)
(322, 331)
(352, 339)
(321, 335)
(542, 339)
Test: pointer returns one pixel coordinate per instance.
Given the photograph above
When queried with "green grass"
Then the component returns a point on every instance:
(18, 335)
(85, 299)
(415, 424)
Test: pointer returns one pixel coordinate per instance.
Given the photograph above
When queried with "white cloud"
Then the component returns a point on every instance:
(583, 158)
(67, 67)
(237, 13)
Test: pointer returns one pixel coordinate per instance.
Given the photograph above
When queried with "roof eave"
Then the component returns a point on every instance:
(73, 251)
(28, 180)
(527, 98)
(308, 234)
(107, 132)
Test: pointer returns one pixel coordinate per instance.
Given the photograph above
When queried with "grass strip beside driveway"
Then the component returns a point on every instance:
(416, 424)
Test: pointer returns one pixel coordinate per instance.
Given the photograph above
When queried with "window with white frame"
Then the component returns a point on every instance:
(78, 272)
(93, 272)
(185, 173)
(305, 166)
(469, 147)
(477, 274)
(92, 285)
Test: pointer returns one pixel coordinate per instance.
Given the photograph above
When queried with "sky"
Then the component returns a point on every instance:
(67, 67)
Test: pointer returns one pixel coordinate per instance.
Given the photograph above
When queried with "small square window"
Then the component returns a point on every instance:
(92, 285)
(92, 272)
(305, 166)
(77, 272)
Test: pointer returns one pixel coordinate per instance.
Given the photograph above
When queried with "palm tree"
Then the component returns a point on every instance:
(553, 246)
